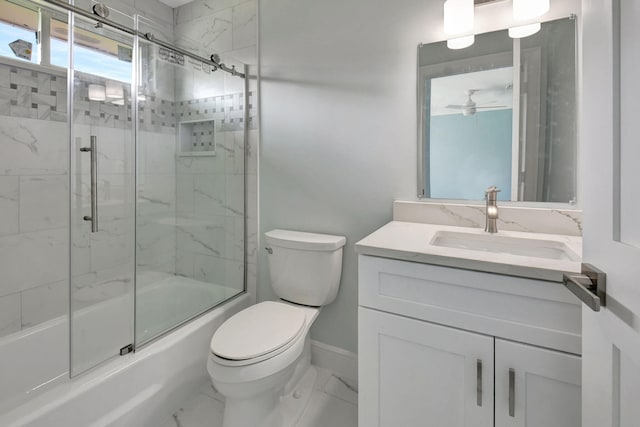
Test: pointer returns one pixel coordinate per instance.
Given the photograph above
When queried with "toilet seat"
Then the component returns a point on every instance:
(257, 333)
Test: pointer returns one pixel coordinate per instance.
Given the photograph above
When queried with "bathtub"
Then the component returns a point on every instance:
(135, 390)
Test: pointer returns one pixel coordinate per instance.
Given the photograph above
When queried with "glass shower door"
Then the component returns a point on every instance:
(102, 194)
(190, 188)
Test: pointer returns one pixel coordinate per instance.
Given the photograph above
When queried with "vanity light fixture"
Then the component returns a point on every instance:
(524, 30)
(526, 10)
(97, 93)
(114, 90)
(458, 21)
(461, 42)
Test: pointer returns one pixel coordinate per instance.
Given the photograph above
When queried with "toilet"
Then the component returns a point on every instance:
(261, 353)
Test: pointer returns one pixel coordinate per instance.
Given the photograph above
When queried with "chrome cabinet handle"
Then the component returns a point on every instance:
(512, 393)
(93, 149)
(479, 382)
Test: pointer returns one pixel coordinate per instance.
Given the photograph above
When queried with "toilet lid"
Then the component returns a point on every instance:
(258, 330)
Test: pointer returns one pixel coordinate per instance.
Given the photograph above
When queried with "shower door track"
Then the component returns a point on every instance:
(148, 36)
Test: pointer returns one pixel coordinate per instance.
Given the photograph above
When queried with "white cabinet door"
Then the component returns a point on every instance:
(414, 373)
(536, 387)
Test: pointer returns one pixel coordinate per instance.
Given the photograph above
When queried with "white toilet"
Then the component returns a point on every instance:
(263, 350)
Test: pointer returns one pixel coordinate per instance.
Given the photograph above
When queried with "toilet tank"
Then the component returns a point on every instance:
(304, 267)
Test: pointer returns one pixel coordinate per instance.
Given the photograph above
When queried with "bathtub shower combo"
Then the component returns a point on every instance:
(122, 204)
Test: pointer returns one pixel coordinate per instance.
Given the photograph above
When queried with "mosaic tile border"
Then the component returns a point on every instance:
(43, 96)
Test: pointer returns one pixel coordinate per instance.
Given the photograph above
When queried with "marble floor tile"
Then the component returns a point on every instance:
(333, 403)
(202, 409)
(325, 410)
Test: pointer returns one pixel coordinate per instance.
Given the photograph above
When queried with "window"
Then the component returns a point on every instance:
(17, 23)
(93, 53)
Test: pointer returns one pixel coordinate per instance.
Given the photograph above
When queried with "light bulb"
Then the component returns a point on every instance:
(461, 42)
(114, 90)
(97, 93)
(524, 30)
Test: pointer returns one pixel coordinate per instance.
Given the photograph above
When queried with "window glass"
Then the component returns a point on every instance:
(18, 23)
(93, 53)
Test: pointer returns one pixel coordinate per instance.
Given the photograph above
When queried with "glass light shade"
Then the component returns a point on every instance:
(461, 42)
(97, 93)
(114, 90)
(524, 30)
(529, 9)
(458, 16)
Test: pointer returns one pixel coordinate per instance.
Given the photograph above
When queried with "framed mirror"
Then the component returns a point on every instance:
(501, 112)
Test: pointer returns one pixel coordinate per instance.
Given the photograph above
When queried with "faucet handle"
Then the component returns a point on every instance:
(492, 189)
(490, 193)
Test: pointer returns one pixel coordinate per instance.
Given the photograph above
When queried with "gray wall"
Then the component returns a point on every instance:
(338, 128)
(338, 123)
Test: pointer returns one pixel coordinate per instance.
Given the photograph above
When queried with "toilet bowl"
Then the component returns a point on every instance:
(252, 378)
(264, 350)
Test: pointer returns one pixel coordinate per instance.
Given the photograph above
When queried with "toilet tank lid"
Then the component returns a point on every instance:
(303, 240)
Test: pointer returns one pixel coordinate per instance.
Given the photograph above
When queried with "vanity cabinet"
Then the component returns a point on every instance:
(414, 373)
(437, 345)
(536, 387)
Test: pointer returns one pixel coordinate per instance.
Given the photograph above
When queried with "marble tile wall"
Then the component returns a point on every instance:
(210, 202)
(34, 196)
(156, 202)
(154, 113)
(102, 262)
(33, 217)
(210, 189)
(34, 184)
(31, 94)
(43, 96)
(210, 211)
(225, 27)
(227, 110)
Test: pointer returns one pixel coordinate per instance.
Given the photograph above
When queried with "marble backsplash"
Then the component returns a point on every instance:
(535, 220)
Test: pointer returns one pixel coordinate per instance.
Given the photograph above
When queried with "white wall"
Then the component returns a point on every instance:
(338, 122)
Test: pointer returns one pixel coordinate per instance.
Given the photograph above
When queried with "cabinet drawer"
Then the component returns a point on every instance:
(534, 311)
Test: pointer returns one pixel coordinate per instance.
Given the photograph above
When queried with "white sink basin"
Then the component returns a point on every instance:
(526, 247)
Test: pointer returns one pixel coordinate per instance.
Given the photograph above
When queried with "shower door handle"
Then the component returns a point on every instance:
(93, 150)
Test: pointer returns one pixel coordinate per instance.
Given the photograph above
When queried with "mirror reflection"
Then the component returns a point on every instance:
(501, 112)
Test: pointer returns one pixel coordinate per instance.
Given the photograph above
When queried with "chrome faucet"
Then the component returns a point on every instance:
(491, 196)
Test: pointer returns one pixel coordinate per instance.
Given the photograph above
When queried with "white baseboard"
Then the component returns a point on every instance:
(341, 362)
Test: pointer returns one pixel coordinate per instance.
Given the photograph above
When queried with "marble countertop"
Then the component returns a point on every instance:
(409, 241)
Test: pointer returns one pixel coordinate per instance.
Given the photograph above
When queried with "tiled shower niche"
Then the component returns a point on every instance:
(197, 138)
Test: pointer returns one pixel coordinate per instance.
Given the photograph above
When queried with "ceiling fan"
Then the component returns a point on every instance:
(470, 107)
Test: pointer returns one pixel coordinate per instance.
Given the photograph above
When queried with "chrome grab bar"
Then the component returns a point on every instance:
(93, 149)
